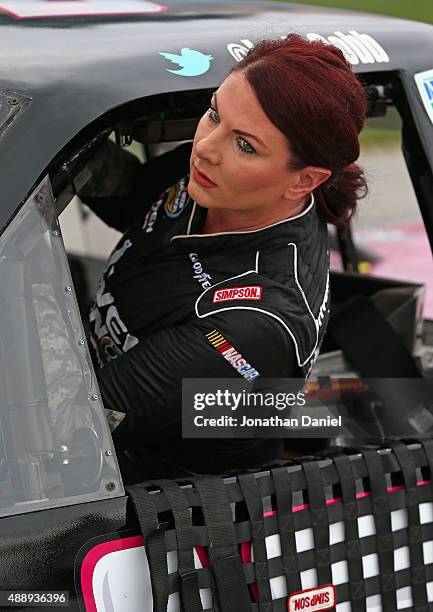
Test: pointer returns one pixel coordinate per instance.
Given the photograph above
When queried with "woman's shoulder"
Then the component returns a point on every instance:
(282, 301)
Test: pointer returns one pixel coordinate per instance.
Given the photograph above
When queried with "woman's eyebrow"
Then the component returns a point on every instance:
(240, 132)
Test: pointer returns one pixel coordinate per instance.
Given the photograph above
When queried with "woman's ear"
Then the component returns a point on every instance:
(305, 181)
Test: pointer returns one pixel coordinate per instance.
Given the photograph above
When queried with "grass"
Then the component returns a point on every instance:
(420, 10)
(382, 130)
(378, 136)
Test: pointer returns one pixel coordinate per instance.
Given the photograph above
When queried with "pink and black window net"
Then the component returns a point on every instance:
(356, 524)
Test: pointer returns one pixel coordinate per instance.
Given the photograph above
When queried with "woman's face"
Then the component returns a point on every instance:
(239, 159)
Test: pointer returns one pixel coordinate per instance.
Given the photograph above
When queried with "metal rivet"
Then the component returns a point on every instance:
(13, 101)
(40, 198)
(65, 461)
(108, 453)
(68, 288)
(110, 486)
(95, 397)
(55, 233)
(63, 448)
(81, 342)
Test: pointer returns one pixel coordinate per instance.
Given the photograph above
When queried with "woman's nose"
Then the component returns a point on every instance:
(208, 148)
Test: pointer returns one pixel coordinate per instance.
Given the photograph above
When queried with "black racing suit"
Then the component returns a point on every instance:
(170, 296)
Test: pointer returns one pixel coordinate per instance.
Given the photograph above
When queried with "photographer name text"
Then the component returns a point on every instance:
(272, 421)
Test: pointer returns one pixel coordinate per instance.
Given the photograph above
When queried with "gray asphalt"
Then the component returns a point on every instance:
(392, 199)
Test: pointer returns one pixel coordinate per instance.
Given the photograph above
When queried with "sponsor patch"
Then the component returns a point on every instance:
(424, 81)
(151, 215)
(177, 200)
(229, 353)
(312, 600)
(192, 63)
(200, 275)
(250, 292)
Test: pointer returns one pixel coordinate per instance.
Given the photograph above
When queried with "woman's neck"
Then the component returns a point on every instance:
(227, 220)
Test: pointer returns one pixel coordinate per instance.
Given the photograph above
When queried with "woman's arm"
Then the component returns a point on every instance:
(121, 187)
(146, 382)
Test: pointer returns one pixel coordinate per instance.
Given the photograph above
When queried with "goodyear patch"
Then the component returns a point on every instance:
(424, 81)
(228, 351)
(176, 200)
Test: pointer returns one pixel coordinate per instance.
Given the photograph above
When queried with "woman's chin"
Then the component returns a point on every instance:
(199, 195)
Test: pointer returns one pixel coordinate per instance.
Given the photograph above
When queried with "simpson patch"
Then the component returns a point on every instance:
(251, 292)
(313, 600)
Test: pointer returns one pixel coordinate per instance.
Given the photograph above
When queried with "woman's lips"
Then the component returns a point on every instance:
(201, 178)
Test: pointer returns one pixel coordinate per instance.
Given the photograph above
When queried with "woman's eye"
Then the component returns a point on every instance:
(244, 146)
(213, 115)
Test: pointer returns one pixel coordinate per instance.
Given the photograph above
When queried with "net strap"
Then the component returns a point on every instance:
(189, 588)
(253, 501)
(225, 561)
(382, 519)
(154, 541)
(346, 475)
(319, 519)
(286, 528)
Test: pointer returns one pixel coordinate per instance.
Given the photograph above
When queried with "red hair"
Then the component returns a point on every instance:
(310, 93)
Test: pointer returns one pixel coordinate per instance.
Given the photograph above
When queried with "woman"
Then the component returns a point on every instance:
(225, 274)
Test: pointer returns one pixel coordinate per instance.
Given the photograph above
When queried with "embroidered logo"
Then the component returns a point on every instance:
(177, 199)
(152, 213)
(313, 600)
(251, 292)
(199, 274)
(229, 353)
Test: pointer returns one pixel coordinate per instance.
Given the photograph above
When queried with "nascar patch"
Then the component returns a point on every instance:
(233, 356)
(176, 200)
(313, 600)
(424, 81)
(250, 292)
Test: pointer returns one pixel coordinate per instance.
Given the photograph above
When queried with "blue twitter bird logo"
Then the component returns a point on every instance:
(193, 63)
